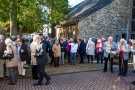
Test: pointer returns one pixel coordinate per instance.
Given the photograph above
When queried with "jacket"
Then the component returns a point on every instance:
(82, 48)
(90, 48)
(56, 50)
(125, 54)
(33, 50)
(41, 55)
(2, 48)
(23, 55)
(108, 51)
(14, 61)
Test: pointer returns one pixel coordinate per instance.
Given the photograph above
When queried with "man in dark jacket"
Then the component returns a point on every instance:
(82, 50)
(22, 54)
(2, 49)
(41, 57)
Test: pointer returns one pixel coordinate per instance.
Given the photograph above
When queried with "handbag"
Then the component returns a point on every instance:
(26, 66)
(8, 56)
(116, 60)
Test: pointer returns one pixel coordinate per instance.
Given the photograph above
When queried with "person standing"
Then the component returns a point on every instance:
(99, 51)
(41, 58)
(63, 47)
(33, 46)
(68, 48)
(123, 51)
(90, 49)
(12, 63)
(110, 49)
(22, 54)
(82, 50)
(73, 51)
(57, 52)
(2, 49)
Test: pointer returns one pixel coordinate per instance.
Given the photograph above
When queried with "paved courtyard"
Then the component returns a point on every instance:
(92, 80)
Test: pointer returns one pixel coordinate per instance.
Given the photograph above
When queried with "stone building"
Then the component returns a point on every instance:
(99, 18)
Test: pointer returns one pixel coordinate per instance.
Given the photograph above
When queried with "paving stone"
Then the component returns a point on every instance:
(94, 80)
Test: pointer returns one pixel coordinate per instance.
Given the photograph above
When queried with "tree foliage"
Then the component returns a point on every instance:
(31, 14)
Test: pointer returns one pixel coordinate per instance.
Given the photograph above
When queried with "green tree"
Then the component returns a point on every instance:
(31, 14)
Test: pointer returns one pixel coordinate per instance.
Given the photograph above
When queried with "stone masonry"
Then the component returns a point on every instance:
(110, 20)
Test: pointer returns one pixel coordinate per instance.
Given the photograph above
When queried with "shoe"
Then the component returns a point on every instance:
(104, 71)
(133, 82)
(133, 71)
(35, 84)
(11, 83)
(48, 82)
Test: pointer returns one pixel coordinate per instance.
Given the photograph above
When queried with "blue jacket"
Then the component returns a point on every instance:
(82, 49)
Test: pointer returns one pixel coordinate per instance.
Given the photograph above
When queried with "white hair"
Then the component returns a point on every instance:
(2, 36)
(8, 41)
(110, 37)
(35, 37)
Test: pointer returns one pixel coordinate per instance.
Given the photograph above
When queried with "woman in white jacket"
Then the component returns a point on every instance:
(90, 49)
(73, 51)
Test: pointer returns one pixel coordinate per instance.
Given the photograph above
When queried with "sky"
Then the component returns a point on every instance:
(74, 2)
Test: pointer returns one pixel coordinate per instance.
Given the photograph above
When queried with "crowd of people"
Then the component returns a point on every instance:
(39, 50)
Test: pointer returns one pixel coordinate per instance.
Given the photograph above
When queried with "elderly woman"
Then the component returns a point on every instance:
(123, 51)
(57, 52)
(13, 62)
(33, 46)
(73, 51)
(99, 51)
(90, 49)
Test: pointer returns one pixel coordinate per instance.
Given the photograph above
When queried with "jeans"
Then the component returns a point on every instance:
(100, 57)
(62, 57)
(72, 56)
(12, 72)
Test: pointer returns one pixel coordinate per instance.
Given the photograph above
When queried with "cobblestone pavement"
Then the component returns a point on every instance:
(94, 80)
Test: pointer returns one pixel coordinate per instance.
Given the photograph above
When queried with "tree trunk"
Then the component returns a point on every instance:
(13, 20)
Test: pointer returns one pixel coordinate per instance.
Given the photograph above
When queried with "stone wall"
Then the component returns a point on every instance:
(110, 20)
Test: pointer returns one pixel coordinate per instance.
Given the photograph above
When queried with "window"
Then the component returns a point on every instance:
(132, 36)
(133, 26)
(117, 38)
(133, 13)
(133, 2)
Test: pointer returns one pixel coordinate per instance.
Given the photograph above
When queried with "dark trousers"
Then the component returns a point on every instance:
(106, 62)
(42, 73)
(100, 57)
(35, 72)
(123, 67)
(82, 58)
(52, 60)
(90, 57)
(12, 73)
(68, 57)
(56, 61)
